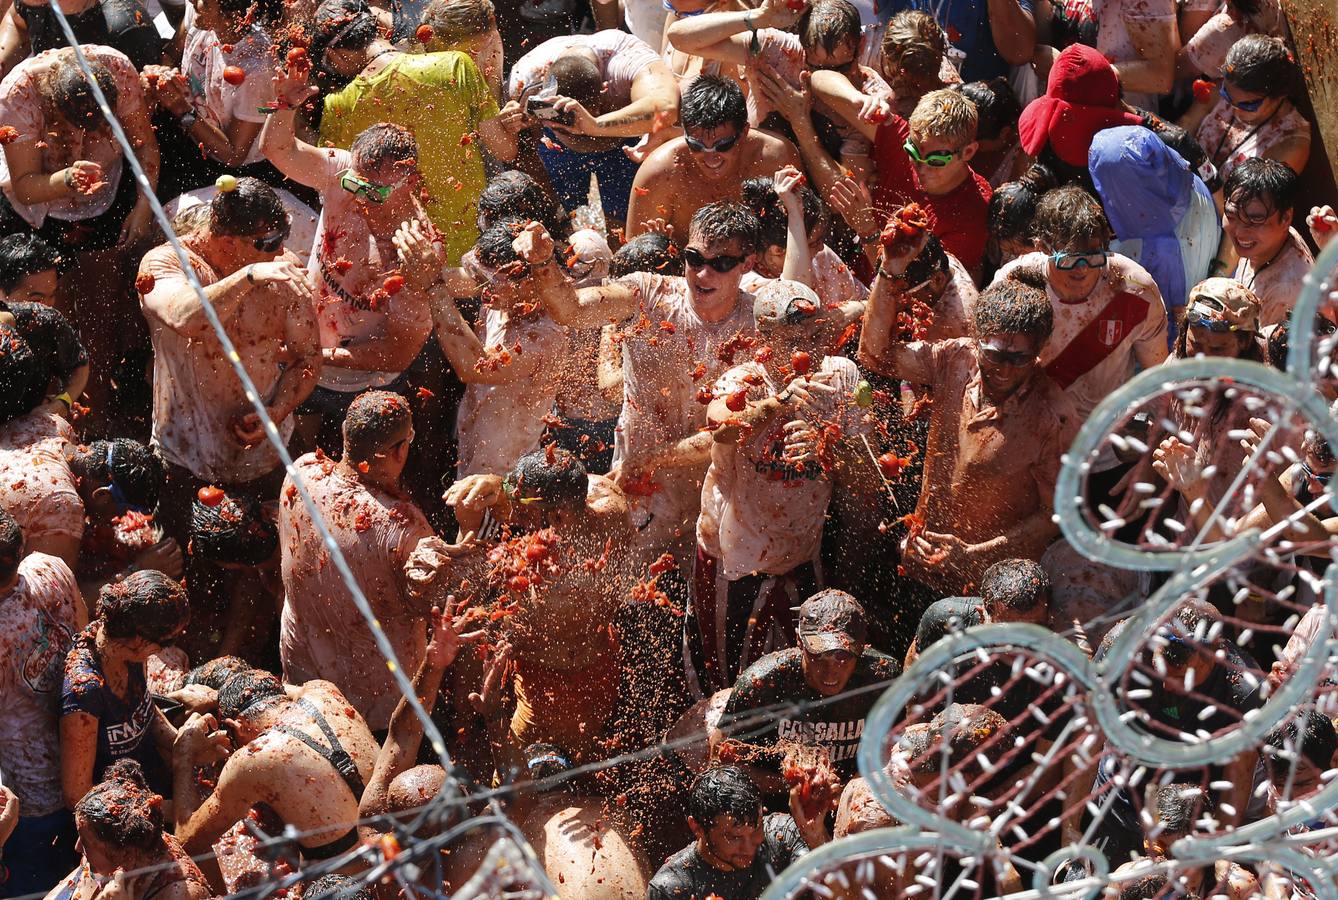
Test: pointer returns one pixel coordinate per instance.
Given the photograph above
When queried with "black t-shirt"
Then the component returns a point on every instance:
(53, 342)
(687, 876)
(777, 680)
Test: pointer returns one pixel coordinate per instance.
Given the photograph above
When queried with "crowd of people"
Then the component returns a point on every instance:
(658, 382)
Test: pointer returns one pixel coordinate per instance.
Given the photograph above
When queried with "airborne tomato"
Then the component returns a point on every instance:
(210, 495)
(234, 75)
(801, 361)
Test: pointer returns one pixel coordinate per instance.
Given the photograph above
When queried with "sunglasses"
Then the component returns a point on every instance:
(720, 146)
(1232, 211)
(1208, 314)
(722, 264)
(270, 243)
(1067, 262)
(1014, 359)
(1309, 473)
(938, 159)
(1242, 105)
(360, 187)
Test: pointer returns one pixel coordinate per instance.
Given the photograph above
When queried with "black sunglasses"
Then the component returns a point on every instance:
(1014, 359)
(722, 264)
(721, 146)
(270, 243)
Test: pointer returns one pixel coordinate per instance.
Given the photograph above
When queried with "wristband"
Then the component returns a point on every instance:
(870, 238)
(250, 276)
(69, 177)
(64, 397)
(754, 45)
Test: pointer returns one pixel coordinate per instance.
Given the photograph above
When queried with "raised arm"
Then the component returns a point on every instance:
(592, 307)
(879, 348)
(729, 36)
(399, 752)
(175, 303)
(798, 261)
(1014, 31)
(292, 156)
(654, 99)
(855, 108)
(795, 104)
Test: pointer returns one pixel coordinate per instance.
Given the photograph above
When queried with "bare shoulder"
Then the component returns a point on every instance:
(660, 162)
(772, 150)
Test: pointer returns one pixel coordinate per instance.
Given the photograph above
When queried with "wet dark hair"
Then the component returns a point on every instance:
(713, 102)
(373, 418)
(545, 761)
(251, 208)
(147, 604)
(577, 77)
(1183, 143)
(121, 810)
(1310, 733)
(759, 195)
(11, 545)
(1261, 64)
(561, 481)
(19, 371)
(70, 93)
(829, 24)
(1012, 306)
(1317, 444)
(1070, 217)
(515, 196)
(1177, 806)
(381, 143)
(721, 791)
(1012, 207)
(234, 531)
(932, 260)
(1014, 584)
(650, 252)
(265, 12)
(947, 616)
(1146, 888)
(215, 673)
(727, 220)
(135, 470)
(25, 254)
(242, 694)
(996, 104)
(1271, 182)
(337, 887)
(493, 248)
(342, 25)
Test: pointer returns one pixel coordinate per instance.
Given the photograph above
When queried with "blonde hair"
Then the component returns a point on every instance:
(456, 21)
(947, 115)
(915, 43)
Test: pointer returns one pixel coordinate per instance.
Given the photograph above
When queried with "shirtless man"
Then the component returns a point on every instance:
(997, 429)
(304, 758)
(378, 530)
(565, 654)
(717, 153)
(687, 333)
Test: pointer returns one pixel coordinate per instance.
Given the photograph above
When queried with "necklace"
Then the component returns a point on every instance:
(1226, 132)
(1271, 260)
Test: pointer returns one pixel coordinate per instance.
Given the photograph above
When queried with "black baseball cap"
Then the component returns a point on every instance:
(832, 620)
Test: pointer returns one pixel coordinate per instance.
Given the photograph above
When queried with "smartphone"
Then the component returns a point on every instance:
(543, 110)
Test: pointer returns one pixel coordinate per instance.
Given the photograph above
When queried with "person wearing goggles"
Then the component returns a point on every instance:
(206, 428)
(717, 153)
(999, 427)
(1110, 320)
(1252, 115)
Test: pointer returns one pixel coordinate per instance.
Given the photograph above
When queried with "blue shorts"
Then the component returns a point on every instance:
(39, 854)
(569, 172)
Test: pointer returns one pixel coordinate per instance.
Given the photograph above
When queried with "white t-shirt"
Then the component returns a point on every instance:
(196, 392)
(660, 404)
(500, 423)
(622, 57)
(37, 487)
(760, 513)
(1127, 341)
(1115, 42)
(203, 61)
(322, 634)
(37, 625)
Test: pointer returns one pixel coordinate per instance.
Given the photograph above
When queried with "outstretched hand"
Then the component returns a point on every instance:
(498, 671)
(450, 631)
